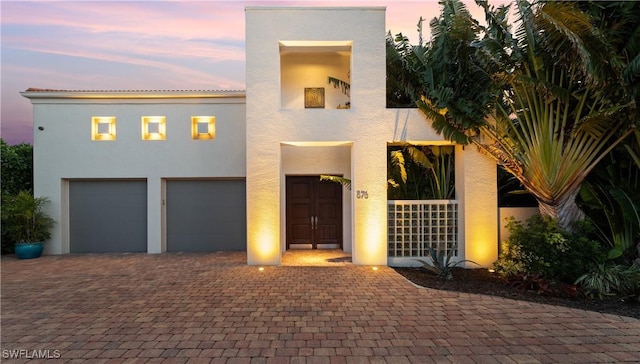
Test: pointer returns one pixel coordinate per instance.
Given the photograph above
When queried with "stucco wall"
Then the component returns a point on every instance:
(367, 127)
(64, 150)
(266, 27)
(302, 70)
(477, 194)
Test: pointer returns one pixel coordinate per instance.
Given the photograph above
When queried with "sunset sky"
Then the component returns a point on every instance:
(140, 45)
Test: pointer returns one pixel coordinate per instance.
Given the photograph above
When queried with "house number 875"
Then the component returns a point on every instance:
(362, 194)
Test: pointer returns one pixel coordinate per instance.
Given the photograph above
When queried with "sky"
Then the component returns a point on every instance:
(140, 45)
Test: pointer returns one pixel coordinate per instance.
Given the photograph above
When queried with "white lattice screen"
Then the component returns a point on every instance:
(414, 226)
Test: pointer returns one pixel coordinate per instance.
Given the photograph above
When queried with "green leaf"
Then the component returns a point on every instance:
(337, 179)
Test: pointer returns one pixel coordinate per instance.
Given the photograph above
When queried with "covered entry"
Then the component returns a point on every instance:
(107, 216)
(206, 215)
(314, 213)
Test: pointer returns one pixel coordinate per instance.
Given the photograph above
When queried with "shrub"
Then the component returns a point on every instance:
(533, 282)
(609, 278)
(16, 169)
(542, 249)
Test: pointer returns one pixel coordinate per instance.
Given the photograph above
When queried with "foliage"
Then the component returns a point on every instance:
(401, 85)
(415, 173)
(452, 85)
(17, 167)
(441, 261)
(608, 278)
(620, 23)
(546, 102)
(26, 221)
(420, 172)
(16, 174)
(542, 286)
(337, 179)
(543, 249)
(611, 198)
(344, 86)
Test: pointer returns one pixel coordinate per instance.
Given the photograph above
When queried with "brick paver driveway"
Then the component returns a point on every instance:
(213, 308)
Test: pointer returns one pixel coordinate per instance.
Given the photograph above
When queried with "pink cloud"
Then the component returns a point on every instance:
(163, 44)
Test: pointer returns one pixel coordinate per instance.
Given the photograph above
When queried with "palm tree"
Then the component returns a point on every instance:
(543, 102)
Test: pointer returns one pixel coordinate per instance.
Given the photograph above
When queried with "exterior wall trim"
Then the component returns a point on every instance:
(35, 94)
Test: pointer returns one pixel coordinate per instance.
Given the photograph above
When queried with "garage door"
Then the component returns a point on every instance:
(205, 215)
(107, 216)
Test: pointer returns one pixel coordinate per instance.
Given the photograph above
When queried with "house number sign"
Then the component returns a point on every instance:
(360, 194)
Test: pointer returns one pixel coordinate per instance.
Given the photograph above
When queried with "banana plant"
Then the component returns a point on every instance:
(415, 173)
(543, 101)
(421, 172)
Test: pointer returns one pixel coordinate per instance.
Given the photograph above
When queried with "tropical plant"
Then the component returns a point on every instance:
(344, 86)
(17, 174)
(611, 198)
(608, 278)
(540, 248)
(543, 102)
(346, 182)
(619, 22)
(17, 167)
(401, 84)
(415, 172)
(441, 260)
(420, 172)
(25, 218)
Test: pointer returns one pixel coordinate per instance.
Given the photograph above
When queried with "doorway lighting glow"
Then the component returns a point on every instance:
(203, 127)
(103, 128)
(154, 128)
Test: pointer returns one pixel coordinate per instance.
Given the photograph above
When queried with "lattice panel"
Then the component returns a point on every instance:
(414, 226)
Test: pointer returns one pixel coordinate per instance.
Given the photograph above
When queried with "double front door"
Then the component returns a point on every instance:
(314, 213)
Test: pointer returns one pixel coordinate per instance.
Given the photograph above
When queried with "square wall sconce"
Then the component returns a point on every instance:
(203, 127)
(103, 128)
(154, 128)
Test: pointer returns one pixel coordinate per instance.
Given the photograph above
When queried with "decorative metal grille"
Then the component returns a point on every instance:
(415, 226)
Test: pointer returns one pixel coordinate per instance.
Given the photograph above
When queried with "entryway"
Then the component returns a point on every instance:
(314, 213)
(316, 258)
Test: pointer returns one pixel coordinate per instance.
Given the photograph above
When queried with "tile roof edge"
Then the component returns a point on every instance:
(36, 89)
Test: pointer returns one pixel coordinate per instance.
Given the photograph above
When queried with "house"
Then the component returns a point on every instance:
(156, 171)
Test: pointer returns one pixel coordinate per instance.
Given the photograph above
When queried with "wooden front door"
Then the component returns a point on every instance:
(314, 212)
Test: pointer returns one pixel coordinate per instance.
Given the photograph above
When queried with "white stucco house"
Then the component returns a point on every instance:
(162, 171)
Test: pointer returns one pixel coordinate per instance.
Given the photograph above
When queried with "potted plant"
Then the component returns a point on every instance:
(28, 226)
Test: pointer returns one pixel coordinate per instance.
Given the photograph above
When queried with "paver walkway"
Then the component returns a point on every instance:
(213, 308)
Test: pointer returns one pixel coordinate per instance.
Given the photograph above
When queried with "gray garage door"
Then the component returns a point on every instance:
(205, 216)
(108, 216)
